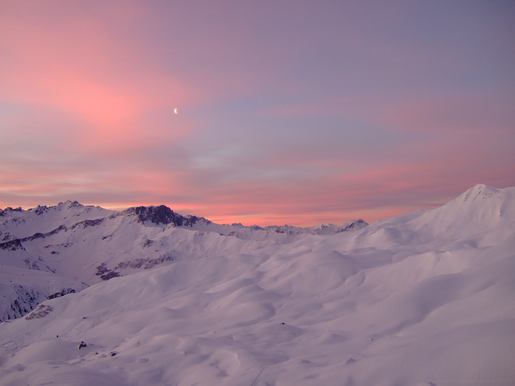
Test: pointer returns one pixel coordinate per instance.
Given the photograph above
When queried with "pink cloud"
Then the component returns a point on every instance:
(90, 91)
(77, 66)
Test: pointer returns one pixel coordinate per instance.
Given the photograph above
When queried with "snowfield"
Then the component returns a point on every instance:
(427, 298)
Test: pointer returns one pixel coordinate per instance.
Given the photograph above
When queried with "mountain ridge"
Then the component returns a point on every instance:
(161, 214)
(98, 237)
(425, 298)
(88, 244)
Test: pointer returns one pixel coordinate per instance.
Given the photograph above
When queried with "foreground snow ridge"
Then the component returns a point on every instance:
(427, 298)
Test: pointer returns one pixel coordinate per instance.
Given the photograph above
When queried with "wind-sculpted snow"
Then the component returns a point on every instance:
(89, 244)
(427, 298)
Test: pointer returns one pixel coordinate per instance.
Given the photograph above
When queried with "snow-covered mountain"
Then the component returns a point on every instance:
(427, 298)
(83, 245)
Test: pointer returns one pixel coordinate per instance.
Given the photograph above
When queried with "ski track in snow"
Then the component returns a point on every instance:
(427, 298)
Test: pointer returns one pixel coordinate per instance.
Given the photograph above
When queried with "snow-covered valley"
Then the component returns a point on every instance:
(427, 298)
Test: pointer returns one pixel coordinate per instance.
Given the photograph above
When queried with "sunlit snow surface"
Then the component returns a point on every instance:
(427, 298)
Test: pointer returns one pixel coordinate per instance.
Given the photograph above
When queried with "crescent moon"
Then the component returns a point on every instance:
(175, 111)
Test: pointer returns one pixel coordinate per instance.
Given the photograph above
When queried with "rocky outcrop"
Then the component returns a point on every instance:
(352, 225)
(65, 291)
(87, 223)
(12, 245)
(107, 273)
(160, 215)
(26, 300)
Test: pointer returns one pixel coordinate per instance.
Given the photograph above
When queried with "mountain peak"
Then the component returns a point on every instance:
(159, 215)
(479, 209)
(480, 190)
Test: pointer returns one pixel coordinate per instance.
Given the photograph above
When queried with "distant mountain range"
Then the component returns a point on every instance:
(69, 246)
(146, 296)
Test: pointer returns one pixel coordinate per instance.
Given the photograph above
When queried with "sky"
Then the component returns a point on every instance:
(288, 112)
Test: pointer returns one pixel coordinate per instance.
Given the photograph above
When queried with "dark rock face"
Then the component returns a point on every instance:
(27, 299)
(145, 263)
(357, 224)
(12, 245)
(148, 244)
(87, 223)
(36, 236)
(9, 209)
(160, 215)
(31, 264)
(16, 244)
(41, 209)
(283, 229)
(105, 273)
(56, 230)
(62, 293)
(109, 275)
(43, 235)
(71, 204)
(40, 312)
(191, 220)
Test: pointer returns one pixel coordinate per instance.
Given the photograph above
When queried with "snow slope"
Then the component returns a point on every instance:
(427, 298)
(83, 245)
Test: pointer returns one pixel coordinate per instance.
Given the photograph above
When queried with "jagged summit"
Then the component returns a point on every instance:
(160, 215)
(41, 209)
(66, 214)
(70, 204)
(351, 225)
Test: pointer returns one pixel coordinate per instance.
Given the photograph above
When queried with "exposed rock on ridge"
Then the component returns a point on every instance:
(160, 215)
